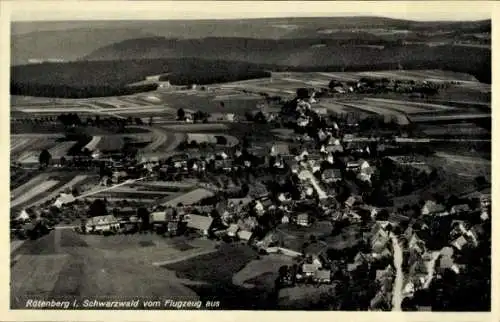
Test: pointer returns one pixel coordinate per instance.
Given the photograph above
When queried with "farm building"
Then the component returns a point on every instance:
(331, 175)
(201, 223)
(102, 223)
(303, 220)
(432, 208)
(280, 149)
(222, 117)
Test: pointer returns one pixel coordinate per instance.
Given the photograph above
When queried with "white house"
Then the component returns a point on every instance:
(102, 223)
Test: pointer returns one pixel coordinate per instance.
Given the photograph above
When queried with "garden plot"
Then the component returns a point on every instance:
(190, 197)
(33, 192)
(185, 184)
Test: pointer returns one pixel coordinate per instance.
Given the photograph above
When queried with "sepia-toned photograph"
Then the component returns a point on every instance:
(255, 155)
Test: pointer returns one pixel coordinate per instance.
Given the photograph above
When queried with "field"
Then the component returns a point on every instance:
(84, 266)
(294, 236)
(216, 267)
(57, 151)
(190, 197)
(45, 187)
(261, 272)
(468, 130)
(199, 127)
(33, 192)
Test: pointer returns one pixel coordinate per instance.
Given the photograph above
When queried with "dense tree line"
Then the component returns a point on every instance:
(83, 91)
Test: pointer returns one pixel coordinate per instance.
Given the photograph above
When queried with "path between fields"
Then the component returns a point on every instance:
(185, 257)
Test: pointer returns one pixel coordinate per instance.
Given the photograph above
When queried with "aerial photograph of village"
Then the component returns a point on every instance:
(337, 163)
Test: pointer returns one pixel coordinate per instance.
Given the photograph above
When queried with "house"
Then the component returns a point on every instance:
(232, 230)
(200, 223)
(280, 149)
(244, 235)
(353, 166)
(382, 274)
(459, 209)
(303, 220)
(416, 244)
(102, 223)
(379, 241)
(309, 270)
(459, 243)
(321, 111)
(332, 148)
(323, 276)
(64, 198)
(432, 208)
(350, 201)
(331, 175)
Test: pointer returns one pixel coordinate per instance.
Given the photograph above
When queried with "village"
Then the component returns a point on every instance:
(344, 198)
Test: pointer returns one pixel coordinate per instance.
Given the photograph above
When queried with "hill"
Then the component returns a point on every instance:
(72, 40)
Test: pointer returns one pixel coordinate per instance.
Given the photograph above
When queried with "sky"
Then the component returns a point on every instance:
(165, 10)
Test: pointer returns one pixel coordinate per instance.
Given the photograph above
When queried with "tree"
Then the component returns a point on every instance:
(143, 214)
(98, 208)
(302, 93)
(481, 182)
(44, 158)
(181, 114)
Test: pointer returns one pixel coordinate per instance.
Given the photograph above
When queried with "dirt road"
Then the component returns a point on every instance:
(397, 296)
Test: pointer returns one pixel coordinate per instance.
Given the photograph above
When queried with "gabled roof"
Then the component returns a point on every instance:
(245, 234)
(323, 274)
(460, 208)
(459, 242)
(102, 220)
(432, 207)
(332, 174)
(309, 268)
(199, 222)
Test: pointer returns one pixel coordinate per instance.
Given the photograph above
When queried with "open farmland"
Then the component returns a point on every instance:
(367, 107)
(18, 191)
(198, 127)
(469, 130)
(77, 180)
(408, 106)
(23, 143)
(334, 107)
(85, 266)
(33, 192)
(207, 102)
